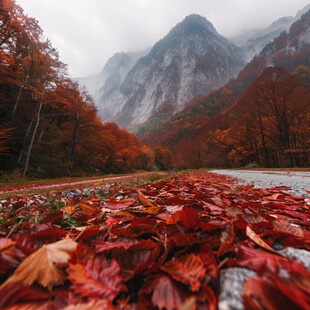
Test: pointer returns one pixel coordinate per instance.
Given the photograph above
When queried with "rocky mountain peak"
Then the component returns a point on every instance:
(191, 60)
(194, 22)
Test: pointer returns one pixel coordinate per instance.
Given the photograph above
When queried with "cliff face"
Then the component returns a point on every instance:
(191, 60)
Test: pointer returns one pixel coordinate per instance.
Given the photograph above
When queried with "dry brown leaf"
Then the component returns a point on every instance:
(254, 237)
(153, 210)
(144, 201)
(45, 265)
(68, 209)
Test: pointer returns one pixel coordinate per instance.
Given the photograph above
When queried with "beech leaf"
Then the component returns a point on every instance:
(286, 227)
(166, 295)
(188, 269)
(144, 201)
(45, 265)
(260, 294)
(253, 236)
(96, 278)
(227, 239)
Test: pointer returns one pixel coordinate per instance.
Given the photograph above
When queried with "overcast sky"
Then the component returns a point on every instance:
(88, 32)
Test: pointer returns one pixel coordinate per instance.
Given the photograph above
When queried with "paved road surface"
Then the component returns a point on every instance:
(298, 181)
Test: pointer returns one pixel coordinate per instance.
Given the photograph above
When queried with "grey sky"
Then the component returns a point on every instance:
(88, 32)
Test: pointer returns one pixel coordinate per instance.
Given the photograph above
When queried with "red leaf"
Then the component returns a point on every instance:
(52, 217)
(227, 240)
(52, 233)
(115, 204)
(188, 269)
(103, 246)
(292, 291)
(97, 278)
(137, 228)
(260, 294)
(263, 262)
(189, 218)
(253, 236)
(208, 259)
(144, 201)
(89, 232)
(286, 227)
(17, 292)
(166, 295)
(140, 256)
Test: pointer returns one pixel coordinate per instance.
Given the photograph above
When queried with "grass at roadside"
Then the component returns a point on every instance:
(7, 180)
(132, 182)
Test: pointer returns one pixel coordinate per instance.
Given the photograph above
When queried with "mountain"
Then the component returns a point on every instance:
(191, 60)
(105, 87)
(253, 41)
(189, 133)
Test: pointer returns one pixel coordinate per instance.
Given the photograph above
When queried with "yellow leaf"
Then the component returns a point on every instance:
(45, 265)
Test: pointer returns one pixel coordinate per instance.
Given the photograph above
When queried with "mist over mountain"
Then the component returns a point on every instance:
(190, 61)
(253, 41)
(220, 127)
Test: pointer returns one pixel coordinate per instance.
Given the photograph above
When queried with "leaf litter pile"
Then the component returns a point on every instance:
(162, 245)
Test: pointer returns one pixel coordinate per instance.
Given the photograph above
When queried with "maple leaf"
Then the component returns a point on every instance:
(98, 278)
(45, 265)
(188, 269)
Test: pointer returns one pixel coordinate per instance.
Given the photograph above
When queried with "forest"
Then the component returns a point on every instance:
(261, 118)
(48, 123)
(191, 240)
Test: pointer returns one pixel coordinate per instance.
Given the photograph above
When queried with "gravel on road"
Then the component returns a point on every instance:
(298, 181)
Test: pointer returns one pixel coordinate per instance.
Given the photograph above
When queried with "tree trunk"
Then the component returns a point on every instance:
(33, 136)
(73, 142)
(20, 157)
(21, 88)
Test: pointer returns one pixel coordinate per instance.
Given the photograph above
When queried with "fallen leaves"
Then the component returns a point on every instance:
(98, 278)
(253, 236)
(188, 269)
(45, 265)
(162, 245)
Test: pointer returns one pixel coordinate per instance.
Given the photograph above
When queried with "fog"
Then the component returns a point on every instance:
(88, 32)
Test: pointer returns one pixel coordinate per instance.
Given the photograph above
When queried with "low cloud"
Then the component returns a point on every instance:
(87, 33)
